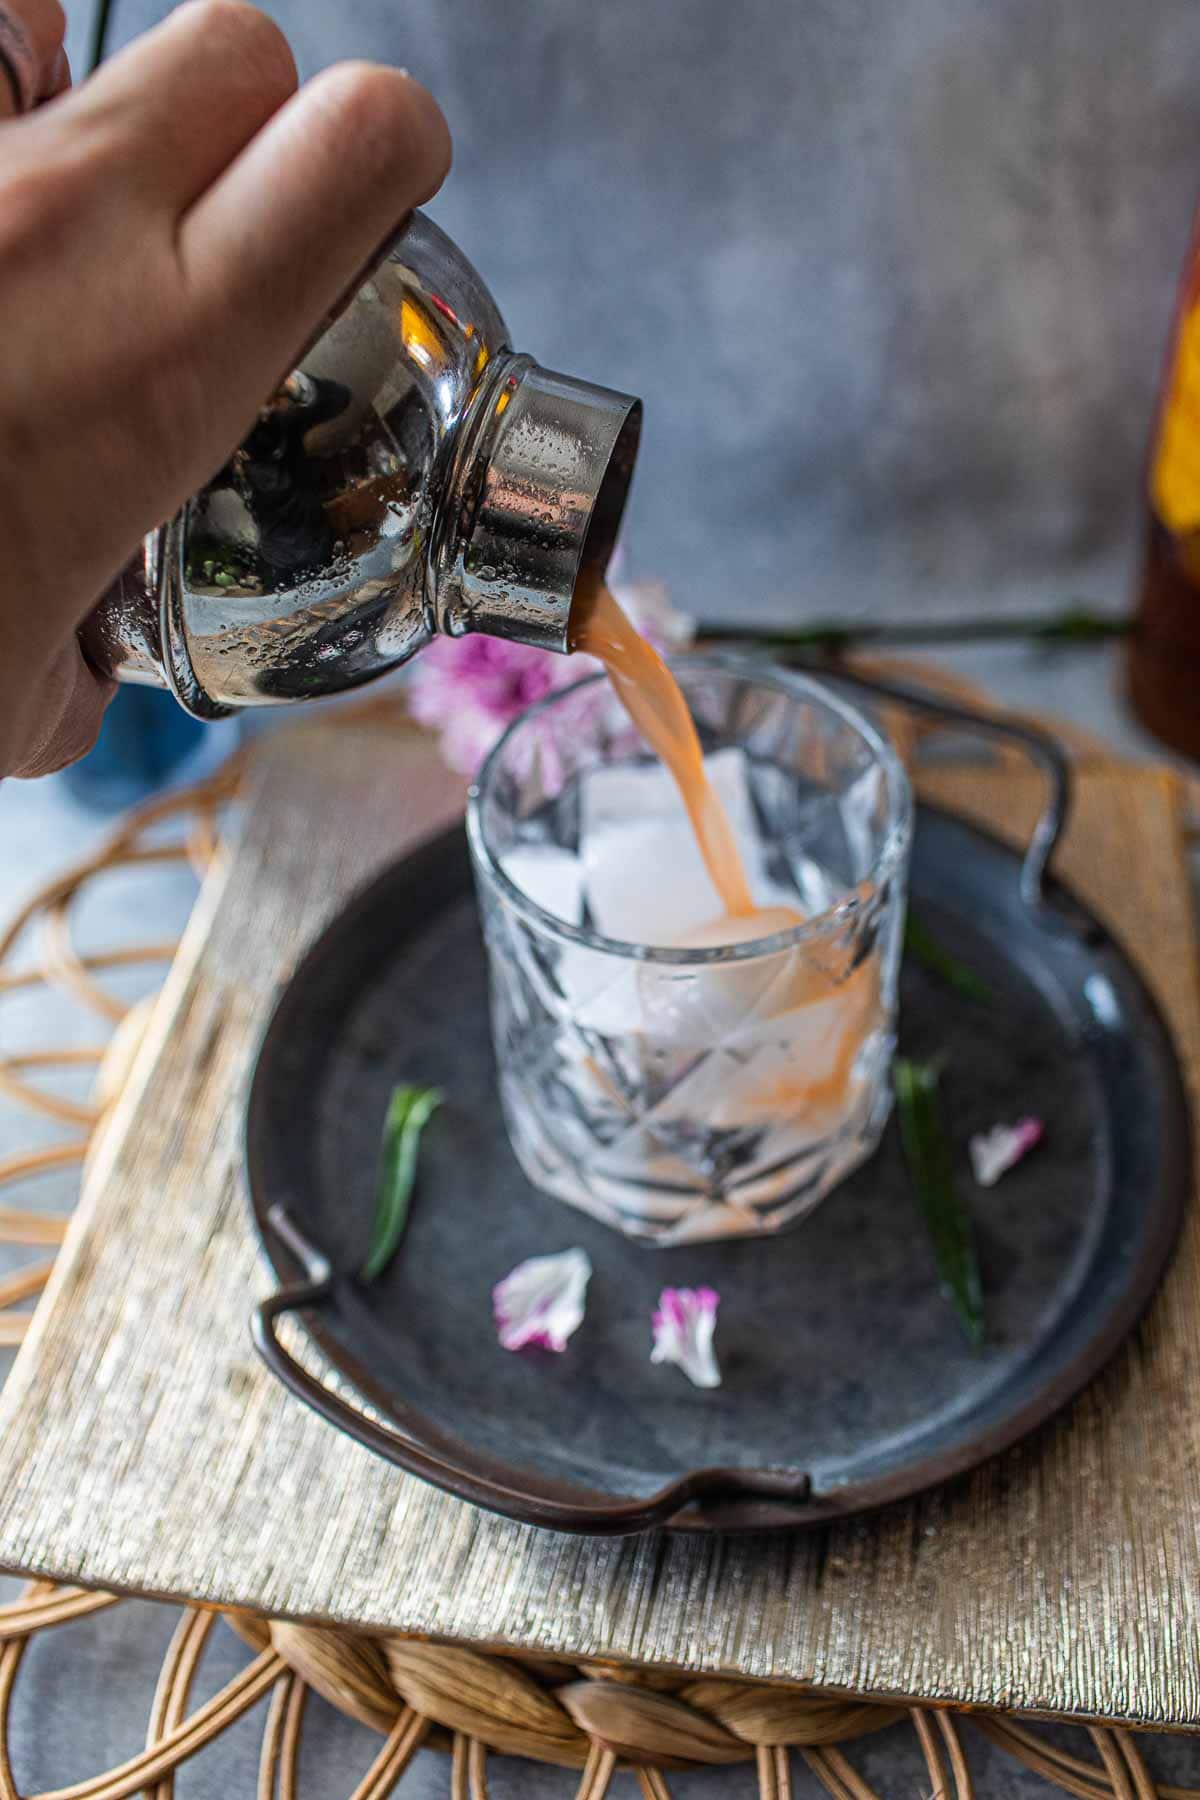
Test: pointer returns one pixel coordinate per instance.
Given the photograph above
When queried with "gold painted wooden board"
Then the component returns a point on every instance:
(143, 1447)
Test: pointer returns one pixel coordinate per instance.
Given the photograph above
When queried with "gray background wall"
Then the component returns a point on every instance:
(893, 276)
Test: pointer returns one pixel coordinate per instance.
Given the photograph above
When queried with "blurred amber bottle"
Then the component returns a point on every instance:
(1164, 654)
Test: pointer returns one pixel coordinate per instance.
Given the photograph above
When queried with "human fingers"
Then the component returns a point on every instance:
(169, 113)
(295, 220)
(32, 60)
(64, 722)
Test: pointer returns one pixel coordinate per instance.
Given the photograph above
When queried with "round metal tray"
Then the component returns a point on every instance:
(847, 1382)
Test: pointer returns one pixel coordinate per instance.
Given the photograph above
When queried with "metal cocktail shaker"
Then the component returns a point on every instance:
(412, 475)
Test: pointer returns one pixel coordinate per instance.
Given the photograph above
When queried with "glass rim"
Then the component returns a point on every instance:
(785, 681)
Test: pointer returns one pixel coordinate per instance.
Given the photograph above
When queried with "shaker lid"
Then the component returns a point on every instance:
(540, 490)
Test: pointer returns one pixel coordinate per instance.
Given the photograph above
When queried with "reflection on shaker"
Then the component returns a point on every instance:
(282, 483)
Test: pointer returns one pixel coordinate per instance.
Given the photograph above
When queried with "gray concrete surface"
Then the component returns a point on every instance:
(893, 278)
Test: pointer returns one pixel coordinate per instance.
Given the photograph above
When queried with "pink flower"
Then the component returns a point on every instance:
(683, 1333)
(996, 1151)
(469, 689)
(540, 1303)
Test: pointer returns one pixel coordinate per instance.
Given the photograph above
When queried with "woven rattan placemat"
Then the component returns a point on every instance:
(144, 1448)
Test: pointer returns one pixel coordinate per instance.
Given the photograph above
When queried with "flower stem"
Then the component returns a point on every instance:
(1075, 625)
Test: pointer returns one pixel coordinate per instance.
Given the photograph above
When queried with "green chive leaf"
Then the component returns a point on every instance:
(408, 1112)
(931, 1171)
(923, 947)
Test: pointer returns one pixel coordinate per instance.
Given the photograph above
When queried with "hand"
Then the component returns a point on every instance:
(172, 232)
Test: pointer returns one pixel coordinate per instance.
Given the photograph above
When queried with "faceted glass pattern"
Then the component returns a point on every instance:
(681, 1095)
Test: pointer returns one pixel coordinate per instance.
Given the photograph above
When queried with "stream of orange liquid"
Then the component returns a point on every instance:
(652, 697)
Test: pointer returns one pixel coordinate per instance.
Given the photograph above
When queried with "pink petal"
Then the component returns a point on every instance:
(996, 1151)
(683, 1333)
(468, 689)
(540, 1303)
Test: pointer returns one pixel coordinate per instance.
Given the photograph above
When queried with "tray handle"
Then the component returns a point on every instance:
(1041, 748)
(702, 1487)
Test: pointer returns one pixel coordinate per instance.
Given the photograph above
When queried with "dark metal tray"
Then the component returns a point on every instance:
(847, 1383)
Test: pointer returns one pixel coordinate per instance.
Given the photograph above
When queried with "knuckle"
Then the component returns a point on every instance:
(256, 48)
(56, 182)
(46, 24)
(389, 121)
(352, 91)
(51, 23)
(36, 201)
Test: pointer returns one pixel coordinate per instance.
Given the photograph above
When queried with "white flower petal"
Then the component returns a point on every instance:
(683, 1333)
(996, 1151)
(541, 1303)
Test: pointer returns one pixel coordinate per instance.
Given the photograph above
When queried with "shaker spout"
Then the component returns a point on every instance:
(537, 496)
